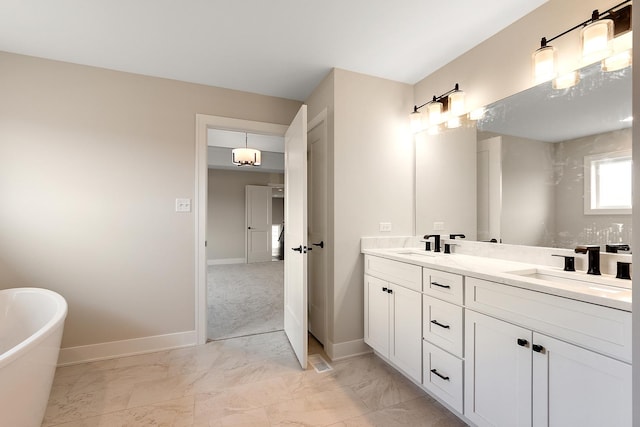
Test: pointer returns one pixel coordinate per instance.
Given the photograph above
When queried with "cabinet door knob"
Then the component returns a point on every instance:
(538, 348)
(384, 289)
(390, 291)
(440, 375)
(435, 322)
(523, 343)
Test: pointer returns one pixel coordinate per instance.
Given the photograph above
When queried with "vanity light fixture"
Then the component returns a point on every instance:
(596, 41)
(245, 156)
(441, 108)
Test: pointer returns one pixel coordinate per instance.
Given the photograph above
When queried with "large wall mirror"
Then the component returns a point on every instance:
(552, 167)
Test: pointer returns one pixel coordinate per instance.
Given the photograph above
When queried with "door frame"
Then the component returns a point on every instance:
(321, 120)
(204, 122)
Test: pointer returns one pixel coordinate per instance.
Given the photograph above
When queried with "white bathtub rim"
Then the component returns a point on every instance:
(44, 332)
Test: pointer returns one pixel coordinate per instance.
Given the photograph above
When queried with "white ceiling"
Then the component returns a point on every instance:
(279, 47)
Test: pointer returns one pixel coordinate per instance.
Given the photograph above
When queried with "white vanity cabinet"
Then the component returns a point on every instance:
(393, 313)
(517, 375)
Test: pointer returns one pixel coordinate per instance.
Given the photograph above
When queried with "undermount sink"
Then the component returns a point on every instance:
(602, 283)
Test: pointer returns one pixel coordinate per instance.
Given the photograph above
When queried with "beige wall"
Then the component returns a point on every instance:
(373, 172)
(226, 210)
(91, 162)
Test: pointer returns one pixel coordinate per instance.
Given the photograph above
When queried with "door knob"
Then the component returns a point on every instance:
(248, 228)
(321, 244)
(298, 249)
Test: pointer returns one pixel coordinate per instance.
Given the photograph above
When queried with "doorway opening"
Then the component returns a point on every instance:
(278, 247)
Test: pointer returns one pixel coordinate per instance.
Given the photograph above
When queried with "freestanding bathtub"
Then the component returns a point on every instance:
(31, 323)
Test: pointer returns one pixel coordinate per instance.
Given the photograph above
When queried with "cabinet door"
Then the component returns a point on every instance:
(497, 372)
(577, 387)
(376, 315)
(406, 331)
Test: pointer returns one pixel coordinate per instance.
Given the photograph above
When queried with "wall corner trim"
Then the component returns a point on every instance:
(344, 350)
(130, 347)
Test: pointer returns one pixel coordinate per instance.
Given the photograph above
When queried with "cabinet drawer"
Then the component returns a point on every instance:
(443, 324)
(407, 275)
(446, 286)
(442, 375)
(601, 329)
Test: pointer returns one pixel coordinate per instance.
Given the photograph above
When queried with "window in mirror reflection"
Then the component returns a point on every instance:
(608, 183)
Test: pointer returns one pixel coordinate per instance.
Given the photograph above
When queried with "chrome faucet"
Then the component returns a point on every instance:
(436, 242)
(593, 255)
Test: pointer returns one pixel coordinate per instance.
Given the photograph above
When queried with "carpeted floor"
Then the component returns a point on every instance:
(244, 299)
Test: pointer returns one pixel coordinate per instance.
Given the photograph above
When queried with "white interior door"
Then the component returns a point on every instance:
(317, 217)
(489, 188)
(258, 212)
(295, 237)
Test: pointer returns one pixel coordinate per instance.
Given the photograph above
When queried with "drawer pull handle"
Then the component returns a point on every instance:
(435, 322)
(523, 343)
(441, 286)
(440, 375)
(538, 348)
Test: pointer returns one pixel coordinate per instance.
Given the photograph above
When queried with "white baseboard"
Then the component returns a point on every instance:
(223, 261)
(110, 350)
(344, 350)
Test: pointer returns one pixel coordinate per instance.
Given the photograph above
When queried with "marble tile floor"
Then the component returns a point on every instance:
(247, 381)
(244, 299)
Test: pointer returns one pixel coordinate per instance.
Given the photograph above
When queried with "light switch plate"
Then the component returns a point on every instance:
(183, 205)
(438, 226)
(385, 226)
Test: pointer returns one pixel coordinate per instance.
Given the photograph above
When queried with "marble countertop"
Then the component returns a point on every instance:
(603, 290)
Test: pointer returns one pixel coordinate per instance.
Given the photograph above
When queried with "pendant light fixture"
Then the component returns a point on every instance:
(597, 43)
(246, 156)
(446, 107)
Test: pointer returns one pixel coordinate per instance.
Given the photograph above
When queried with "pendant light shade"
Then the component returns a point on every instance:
(544, 62)
(595, 39)
(245, 156)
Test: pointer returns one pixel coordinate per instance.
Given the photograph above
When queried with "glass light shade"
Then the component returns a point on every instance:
(456, 103)
(454, 122)
(476, 114)
(595, 40)
(415, 120)
(246, 157)
(435, 113)
(567, 80)
(617, 62)
(621, 57)
(544, 64)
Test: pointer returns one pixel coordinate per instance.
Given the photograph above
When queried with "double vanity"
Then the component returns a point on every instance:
(503, 342)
